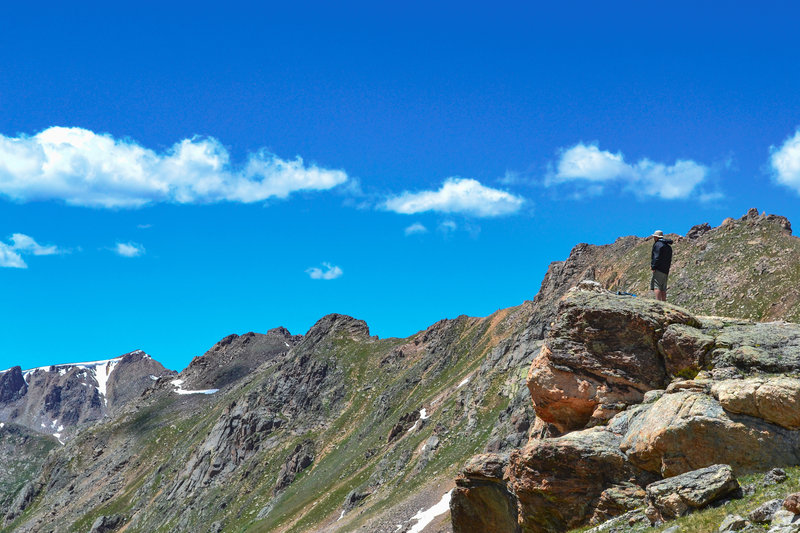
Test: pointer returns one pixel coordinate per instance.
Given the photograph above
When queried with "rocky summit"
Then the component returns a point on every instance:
(589, 405)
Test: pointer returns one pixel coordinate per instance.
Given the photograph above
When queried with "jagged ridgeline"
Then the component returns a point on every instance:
(337, 430)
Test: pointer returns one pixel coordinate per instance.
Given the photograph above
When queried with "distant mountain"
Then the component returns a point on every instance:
(60, 399)
(338, 430)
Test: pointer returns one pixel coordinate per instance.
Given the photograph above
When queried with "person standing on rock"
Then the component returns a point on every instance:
(660, 260)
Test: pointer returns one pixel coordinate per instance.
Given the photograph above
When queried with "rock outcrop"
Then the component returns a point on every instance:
(684, 493)
(621, 362)
(601, 355)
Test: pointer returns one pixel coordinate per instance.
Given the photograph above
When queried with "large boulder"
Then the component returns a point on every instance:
(688, 492)
(601, 355)
(684, 431)
(685, 350)
(560, 483)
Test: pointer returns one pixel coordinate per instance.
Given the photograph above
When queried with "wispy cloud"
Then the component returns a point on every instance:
(448, 226)
(457, 195)
(595, 169)
(328, 271)
(415, 229)
(84, 168)
(129, 249)
(21, 244)
(785, 162)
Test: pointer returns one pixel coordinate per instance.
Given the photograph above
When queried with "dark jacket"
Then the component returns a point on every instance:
(662, 255)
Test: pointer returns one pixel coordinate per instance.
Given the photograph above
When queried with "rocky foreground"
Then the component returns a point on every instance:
(629, 392)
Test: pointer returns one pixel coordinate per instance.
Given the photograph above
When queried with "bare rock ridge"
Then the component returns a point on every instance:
(625, 415)
(236, 356)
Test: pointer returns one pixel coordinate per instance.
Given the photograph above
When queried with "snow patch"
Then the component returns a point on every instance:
(463, 382)
(2, 425)
(340, 516)
(412, 428)
(423, 414)
(154, 378)
(58, 436)
(179, 389)
(287, 344)
(102, 372)
(424, 518)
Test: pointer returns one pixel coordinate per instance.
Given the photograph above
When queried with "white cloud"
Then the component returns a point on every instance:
(26, 244)
(589, 164)
(21, 244)
(785, 162)
(84, 168)
(10, 258)
(457, 195)
(129, 249)
(328, 271)
(415, 229)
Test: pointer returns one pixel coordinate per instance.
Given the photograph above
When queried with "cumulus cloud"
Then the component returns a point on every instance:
(785, 162)
(328, 271)
(596, 168)
(129, 249)
(84, 168)
(457, 195)
(9, 258)
(448, 226)
(21, 244)
(415, 229)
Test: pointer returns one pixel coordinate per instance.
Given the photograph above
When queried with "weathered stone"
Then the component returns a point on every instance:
(617, 500)
(784, 521)
(481, 501)
(792, 503)
(559, 482)
(602, 350)
(688, 430)
(679, 495)
(774, 477)
(733, 522)
(772, 347)
(775, 400)
(685, 350)
(764, 512)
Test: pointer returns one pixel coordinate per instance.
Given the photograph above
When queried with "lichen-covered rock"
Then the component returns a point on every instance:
(559, 482)
(685, 431)
(765, 347)
(733, 522)
(481, 500)
(617, 500)
(601, 351)
(775, 399)
(679, 495)
(764, 512)
(685, 350)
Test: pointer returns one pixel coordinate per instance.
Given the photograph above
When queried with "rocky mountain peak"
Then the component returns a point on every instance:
(236, 356)
(12, 385)
(337, 324)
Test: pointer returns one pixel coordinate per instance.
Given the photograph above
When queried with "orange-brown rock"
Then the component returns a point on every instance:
(601, 351)
(685, 431)
(775, 399)
(560, 482)
(792, 503)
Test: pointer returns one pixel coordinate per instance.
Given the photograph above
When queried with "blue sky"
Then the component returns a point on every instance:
(173, 174)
